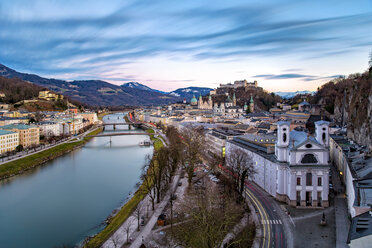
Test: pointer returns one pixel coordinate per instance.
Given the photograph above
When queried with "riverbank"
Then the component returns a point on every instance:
(21, 165)
(114, 222)
(101, 115)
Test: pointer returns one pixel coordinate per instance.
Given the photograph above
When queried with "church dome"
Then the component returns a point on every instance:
(193, 100)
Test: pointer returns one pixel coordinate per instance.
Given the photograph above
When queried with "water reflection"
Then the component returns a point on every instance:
(69, 198)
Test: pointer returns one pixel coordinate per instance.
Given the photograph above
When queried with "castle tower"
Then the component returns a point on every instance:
(251, 105)
(234, 100)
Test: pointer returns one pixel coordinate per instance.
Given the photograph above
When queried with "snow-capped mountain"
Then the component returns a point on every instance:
(189, 92)
(287, 95)
(136, 85)
(182, 92)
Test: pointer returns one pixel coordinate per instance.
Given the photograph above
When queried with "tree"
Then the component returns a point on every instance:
(208, 217)
(115, 239)
(137, 214)
(194, 147)
(127, 227)
(148, 180)
(241, 165)
(19, 148)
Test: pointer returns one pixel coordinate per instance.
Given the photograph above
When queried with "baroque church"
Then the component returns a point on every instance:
(298, 172)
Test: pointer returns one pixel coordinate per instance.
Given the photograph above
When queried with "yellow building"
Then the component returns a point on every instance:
(8, 141)
(49, 96)
(16, 114)
(28, 135)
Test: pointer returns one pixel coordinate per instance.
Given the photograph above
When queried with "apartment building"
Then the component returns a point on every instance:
(28, 135)
(8, 141)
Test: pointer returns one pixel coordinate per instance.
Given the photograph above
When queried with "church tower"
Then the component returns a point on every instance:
(245, 107)
(200, 101)
(282, 141)
(210, 102)
(234, 100)
(251, 105)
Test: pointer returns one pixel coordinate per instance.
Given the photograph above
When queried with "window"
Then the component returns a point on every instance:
(319, 181)
(324, 137)
(284, 137)
(309, 159)
(309, 145)
(298, 180)
(309, 179)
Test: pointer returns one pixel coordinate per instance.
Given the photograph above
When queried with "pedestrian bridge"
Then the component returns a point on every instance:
(117, 134)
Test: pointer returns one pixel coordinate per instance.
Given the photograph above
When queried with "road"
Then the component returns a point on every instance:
(273, 234)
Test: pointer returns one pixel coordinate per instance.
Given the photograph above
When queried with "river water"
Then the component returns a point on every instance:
(68, 199)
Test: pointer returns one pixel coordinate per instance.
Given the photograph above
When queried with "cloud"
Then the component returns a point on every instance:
(191, 30)
(302, 77)
(284, 76)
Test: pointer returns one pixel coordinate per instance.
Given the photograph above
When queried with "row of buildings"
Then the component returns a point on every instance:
(292, 151)
(16, 131)
(292, 163)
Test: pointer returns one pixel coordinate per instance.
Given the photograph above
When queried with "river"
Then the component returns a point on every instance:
(68, 198)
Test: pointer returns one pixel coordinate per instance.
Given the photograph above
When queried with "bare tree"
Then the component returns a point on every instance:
(127, 227)
(241, 165)
(148, 180)
(138, 213)
(115, 239)
(194, 148)
(209, 217)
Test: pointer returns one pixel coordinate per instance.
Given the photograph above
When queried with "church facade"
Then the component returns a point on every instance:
(298, 172)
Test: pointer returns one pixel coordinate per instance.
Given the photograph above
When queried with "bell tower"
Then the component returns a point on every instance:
(322, 132)
(282, 142)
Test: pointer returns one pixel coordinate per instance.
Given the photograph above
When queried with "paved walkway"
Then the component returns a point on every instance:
(119, 238)
(341, 213)
(151, 223)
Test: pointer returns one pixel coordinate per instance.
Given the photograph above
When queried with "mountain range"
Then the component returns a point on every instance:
(101, 93)
(287, 95)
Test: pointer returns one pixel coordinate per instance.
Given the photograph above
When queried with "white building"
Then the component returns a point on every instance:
(298, 172)
(48, 128)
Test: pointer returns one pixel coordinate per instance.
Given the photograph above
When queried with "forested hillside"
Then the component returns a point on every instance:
(354, 95)
(16, 90)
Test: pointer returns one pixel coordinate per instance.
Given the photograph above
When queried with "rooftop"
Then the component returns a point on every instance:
(17, 126)
(5, 132)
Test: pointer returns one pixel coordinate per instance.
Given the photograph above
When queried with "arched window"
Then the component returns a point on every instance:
(324, 137)
(309, 159)
(284, 137)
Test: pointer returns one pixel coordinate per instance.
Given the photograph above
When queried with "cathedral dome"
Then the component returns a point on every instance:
(193, 100)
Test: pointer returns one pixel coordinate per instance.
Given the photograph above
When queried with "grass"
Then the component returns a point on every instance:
(157, 142)
(101, 115)
(116, 221)
(20, 165)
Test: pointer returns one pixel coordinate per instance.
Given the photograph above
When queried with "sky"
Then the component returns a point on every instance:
(167, 44)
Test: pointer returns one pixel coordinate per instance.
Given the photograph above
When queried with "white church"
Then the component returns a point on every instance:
(297, 172)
